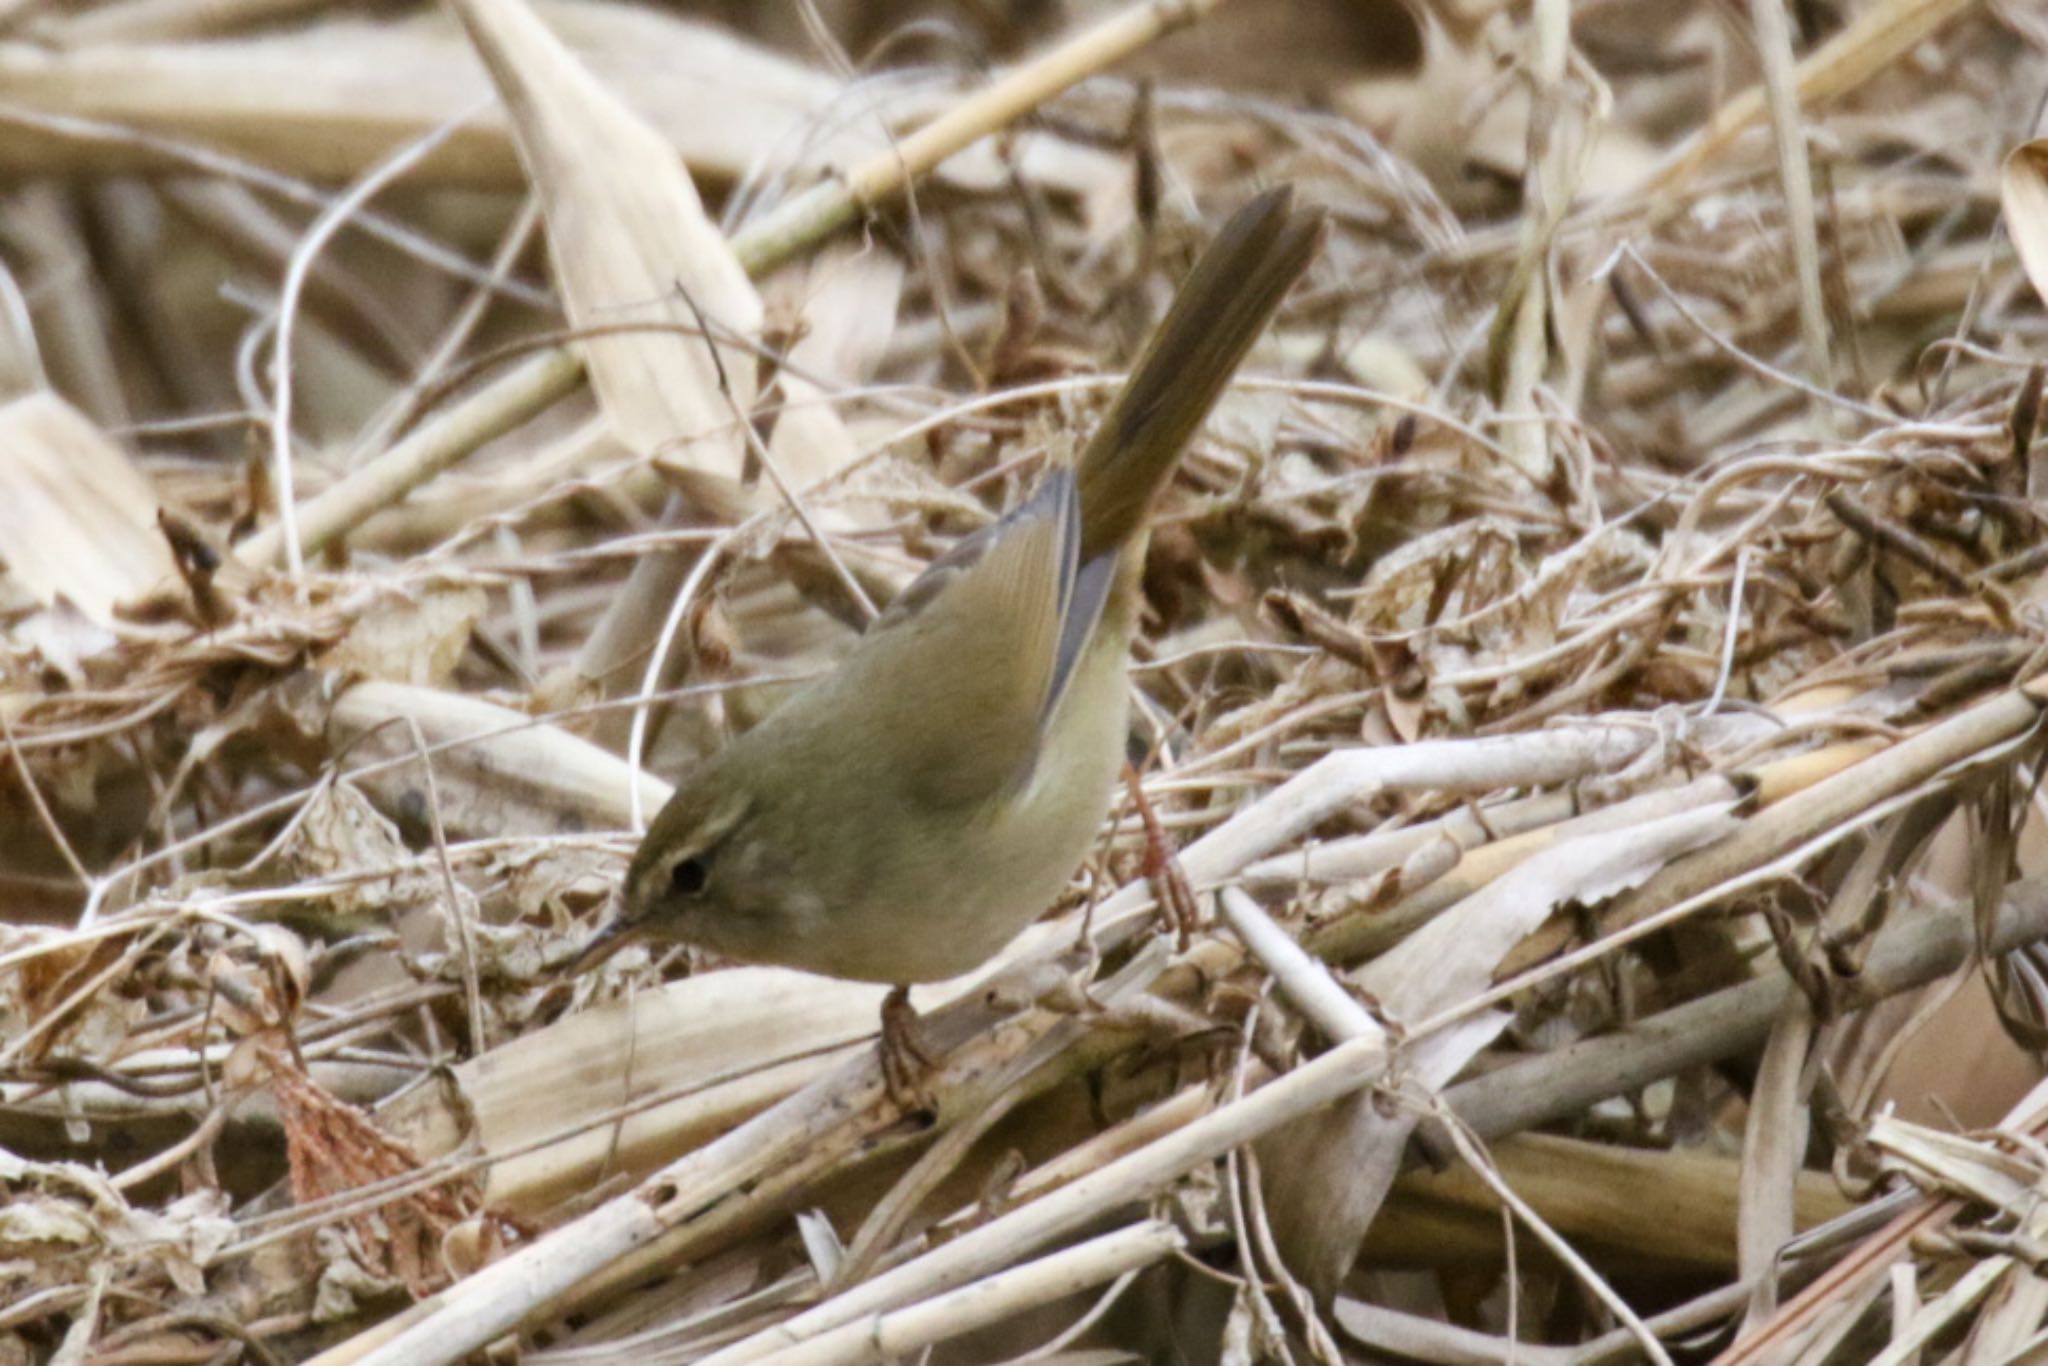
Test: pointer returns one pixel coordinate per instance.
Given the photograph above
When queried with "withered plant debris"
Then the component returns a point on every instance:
(1589, 720)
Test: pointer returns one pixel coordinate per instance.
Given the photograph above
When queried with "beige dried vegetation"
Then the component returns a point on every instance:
(1593, 683)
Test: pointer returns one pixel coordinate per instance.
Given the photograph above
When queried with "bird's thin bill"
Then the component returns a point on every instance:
(604, 944)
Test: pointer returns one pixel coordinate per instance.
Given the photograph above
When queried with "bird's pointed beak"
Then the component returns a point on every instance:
(606, 942)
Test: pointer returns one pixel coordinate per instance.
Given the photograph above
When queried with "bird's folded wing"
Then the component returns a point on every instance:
(975, 650)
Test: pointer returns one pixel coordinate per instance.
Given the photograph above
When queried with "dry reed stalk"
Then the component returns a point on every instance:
(799, 225)
(1878, 37)
(1427, 677)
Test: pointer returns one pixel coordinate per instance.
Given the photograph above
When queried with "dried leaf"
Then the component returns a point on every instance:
(77, 519)
(631, 244)
(844, 320)
(415, 635)
(2023, 193)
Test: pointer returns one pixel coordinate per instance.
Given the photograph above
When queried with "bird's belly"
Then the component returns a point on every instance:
(962, 884)
(959, 897)
(963, 911)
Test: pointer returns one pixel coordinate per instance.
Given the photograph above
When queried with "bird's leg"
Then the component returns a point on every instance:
(1163, 873)
(903, 1057)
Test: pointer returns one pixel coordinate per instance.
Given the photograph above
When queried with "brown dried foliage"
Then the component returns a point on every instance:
(1636, 715)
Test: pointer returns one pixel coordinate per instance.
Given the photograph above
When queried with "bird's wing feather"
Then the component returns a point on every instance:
(988, 625)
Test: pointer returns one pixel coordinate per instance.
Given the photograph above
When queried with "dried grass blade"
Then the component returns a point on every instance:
(631, 245)
(1773, 1147)
(615, 1090)
(331, 101)
(499, 771)
(2023, 194)
(846, 315)
(1327, 1176)
(915, 1327)
(77, 519)
(1875, 39)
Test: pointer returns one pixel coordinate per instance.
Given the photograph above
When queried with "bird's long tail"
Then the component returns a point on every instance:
(1220, 311)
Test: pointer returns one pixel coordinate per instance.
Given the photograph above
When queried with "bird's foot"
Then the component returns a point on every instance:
(1178, 909)
(904, 1060)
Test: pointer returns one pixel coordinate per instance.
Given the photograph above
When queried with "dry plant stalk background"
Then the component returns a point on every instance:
(1593, 681)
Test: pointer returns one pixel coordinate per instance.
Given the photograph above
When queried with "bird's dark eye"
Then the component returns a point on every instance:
(688, 876)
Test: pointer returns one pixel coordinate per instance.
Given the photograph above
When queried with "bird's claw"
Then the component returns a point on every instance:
(903, 1057)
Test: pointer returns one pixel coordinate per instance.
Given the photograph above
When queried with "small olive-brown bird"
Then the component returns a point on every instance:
(900, 819)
